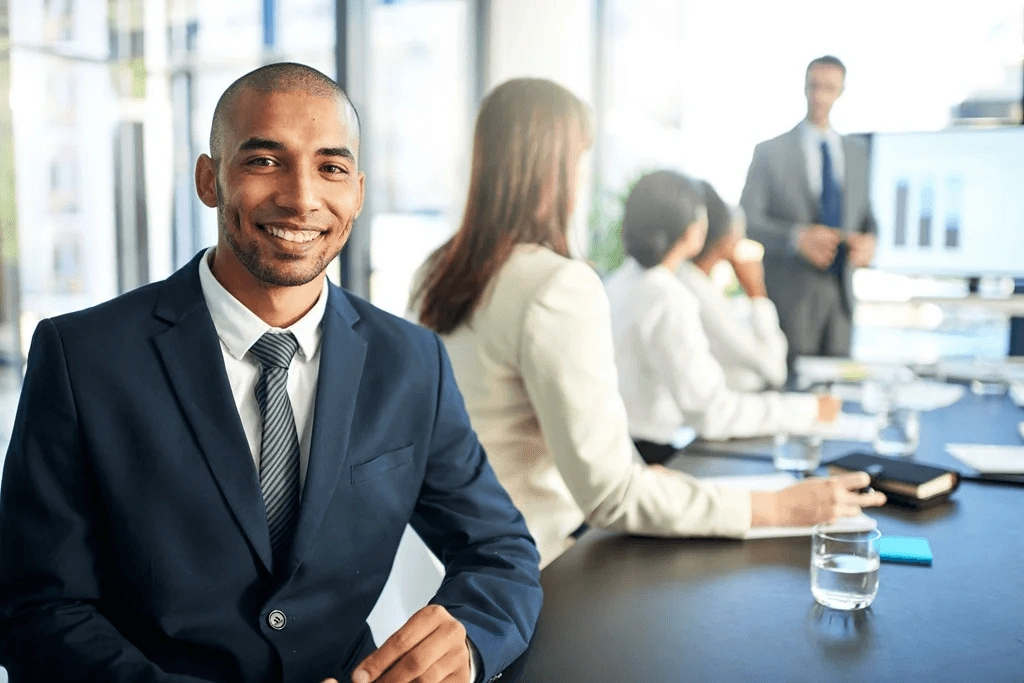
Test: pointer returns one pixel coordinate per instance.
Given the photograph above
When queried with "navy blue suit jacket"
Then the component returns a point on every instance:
(133, 536)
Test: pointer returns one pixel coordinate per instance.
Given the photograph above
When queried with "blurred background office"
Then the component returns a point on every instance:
(105, 104)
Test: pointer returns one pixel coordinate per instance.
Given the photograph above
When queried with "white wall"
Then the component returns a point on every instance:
(543, 38)
(551, 39)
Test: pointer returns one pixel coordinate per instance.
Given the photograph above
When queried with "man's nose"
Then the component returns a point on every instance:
(299, 192)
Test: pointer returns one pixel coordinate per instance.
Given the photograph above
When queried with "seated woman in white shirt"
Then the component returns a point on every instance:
(529, 337)
(750, 347)
(668, 377)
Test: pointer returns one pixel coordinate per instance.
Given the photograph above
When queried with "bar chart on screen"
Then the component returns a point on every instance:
(949, 202)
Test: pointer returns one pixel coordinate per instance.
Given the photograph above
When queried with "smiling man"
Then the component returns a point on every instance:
(209, 476)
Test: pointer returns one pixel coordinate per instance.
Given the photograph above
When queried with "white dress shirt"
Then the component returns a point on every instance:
(238, 329)
(812, 137)
(536, 367)
(751, 349)
(667, 374)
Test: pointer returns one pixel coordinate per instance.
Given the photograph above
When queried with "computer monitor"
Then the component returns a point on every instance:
(949, 202)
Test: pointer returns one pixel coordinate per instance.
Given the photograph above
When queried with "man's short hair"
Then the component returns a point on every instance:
(659, 209)
(827, 60)
(276, 78)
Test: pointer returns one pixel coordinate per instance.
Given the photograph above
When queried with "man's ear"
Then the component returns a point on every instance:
(362, 194)
(206, 180)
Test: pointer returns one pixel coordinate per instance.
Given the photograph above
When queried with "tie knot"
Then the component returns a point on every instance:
(275, 349)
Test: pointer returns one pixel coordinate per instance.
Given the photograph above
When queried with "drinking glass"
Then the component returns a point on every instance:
(899, 426)
(799, 453)
(844, 564)
(899, 432)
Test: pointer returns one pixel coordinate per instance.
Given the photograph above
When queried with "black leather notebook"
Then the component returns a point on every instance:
(902, 481)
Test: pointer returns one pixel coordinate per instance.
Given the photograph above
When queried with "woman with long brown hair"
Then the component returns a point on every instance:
(529, 335)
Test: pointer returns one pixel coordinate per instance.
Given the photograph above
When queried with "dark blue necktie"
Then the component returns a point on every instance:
(831, 211)
(279, 455)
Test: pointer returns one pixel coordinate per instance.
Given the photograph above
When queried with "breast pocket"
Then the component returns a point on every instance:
(385, 462)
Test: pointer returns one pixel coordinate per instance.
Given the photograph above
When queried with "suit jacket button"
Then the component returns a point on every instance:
(277, 620)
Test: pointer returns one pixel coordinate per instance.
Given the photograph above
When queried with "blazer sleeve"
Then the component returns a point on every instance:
(492, 579)
(776, 235)
(759, 347)
(51, 563)
(568, 369)
(678, 346)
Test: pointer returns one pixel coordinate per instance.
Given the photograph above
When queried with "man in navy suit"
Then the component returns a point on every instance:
(209, 476)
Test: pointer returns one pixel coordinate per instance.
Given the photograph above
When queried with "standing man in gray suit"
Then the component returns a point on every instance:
(806, 199)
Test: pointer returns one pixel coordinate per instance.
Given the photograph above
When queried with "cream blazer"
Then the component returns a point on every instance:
(670, 378)
(536, 367)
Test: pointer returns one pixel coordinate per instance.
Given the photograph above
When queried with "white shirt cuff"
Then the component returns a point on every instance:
(475, 665)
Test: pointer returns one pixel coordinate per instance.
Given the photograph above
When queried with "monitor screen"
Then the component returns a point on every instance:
(949, 202)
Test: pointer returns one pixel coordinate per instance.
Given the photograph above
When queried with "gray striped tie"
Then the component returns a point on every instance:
(279, 455)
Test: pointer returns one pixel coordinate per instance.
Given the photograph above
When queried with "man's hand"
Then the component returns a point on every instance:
(749, 271)
(818, 244)
(862, 249)
(814, 501)
(430, 648)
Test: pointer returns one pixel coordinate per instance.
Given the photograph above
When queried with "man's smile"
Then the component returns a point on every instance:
(289, 234)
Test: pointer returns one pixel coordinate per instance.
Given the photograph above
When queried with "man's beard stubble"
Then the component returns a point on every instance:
(248, 254)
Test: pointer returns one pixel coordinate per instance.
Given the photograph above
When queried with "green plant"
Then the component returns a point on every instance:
(606, 252)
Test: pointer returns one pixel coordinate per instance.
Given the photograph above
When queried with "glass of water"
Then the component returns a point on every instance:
(799, 453)
(844, 565)
(899, 432)
(899, 426)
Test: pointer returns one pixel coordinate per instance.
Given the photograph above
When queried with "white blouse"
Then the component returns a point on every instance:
(752, 352)
(668, 375)
(536, 367)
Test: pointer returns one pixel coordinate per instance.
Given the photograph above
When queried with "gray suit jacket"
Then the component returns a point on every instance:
(777, 199)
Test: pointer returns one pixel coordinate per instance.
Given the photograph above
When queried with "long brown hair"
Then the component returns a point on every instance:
(529, 136)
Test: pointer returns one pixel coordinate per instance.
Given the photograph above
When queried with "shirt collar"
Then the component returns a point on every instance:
(239, 328)
(814, 134)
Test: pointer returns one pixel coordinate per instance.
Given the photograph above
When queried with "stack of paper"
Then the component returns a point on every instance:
(988, 459)
(919, 395)
(815, 370)
(1017, 393)
(776, 482)
(848, 427)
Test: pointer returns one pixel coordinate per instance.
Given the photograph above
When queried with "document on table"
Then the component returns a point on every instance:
(848, 427)
(988, 459)
(1017, 393)
(772, 482)
(921, 395)
(816, 370)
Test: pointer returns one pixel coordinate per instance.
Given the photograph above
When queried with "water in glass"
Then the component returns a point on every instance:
(844, 581)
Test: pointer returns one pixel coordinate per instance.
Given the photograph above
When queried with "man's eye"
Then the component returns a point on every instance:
(334, 168)
(261, 161)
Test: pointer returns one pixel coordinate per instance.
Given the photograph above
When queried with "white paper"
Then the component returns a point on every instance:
(848, 427)
(989, 459)
(1017, 393)
(774, 482)
(816, 370)
(919, 395)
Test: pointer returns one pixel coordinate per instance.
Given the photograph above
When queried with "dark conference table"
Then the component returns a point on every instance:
(619, 608)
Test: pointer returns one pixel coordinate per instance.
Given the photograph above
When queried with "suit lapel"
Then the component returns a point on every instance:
(342, 353)
(191, 354)
(798, 167)
(850, 173)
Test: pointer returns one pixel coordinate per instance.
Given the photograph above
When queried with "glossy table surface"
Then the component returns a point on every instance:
(621, 608)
